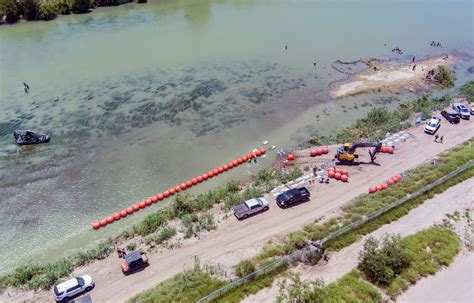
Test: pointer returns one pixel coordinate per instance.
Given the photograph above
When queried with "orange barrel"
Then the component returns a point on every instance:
(136, 207)
(313, 153)
(205, 176)
(379, 187)
(200, 179)
(262, 151)
(130, 210)
(325, 150)
(96, 225)
(103, 222)
(148, 201)
(189, 183)
(337, 176)
(110, 219)
(123, 213)
(291, 157)
(220, 169)
(142, 204)
(331, 174)
(235, 162)
(373, 189)
(183, 186)
(384, 186)
(344, 178)
(117, 216)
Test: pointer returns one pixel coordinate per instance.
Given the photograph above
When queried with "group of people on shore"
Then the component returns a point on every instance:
(397, 50)
(436, 44)
(430, 75)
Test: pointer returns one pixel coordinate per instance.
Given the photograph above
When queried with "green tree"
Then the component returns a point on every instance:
(444, 76)
(292, 288)
(47, 11)
(28, 9)
(62, 7)
(80, 6)
(9, 11)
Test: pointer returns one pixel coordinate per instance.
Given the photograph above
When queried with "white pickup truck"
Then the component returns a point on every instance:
(250, 207)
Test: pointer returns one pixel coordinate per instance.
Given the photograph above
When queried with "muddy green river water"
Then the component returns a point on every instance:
(138, 98)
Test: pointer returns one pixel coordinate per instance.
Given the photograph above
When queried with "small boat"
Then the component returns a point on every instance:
(265, 142)
(28, 137)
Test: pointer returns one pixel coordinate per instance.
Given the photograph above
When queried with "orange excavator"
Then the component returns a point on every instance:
(346, 152)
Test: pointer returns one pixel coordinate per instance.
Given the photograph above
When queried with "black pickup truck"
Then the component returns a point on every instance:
(292, 196)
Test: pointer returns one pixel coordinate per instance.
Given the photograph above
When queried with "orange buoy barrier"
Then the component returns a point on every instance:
(344, 178)
(373, 189)
(331, 174)
(319, 151)
(337, 176)
(291, 157)
(379, 187)
(325, 150)
(384, 186)
(171, 191)
(390, 182)
(312, 153)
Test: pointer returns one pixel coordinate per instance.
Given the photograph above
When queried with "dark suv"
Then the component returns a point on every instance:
(452, 117)
(134, 261)
(292, 196)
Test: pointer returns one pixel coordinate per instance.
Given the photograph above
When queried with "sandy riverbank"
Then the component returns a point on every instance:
(389, 77)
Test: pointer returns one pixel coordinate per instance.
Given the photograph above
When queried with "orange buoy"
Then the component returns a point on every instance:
(244, 158)
(337, 170)
(325, 150)
(172, 191)
(373, 189)
(220, 169)
(383, 149)
(291, 157)
(225, 166)
(390, 182)
(110, 219)
(160, 196)
(250, 156)
(344, 172)
(313, 153)
(205, 176)
(154, 199)
(235, 162)
(142, 204)
(331, 174)
(379, 187)
(136, 207)
(384, 186)
(262, 151)
(337, 176)
(390, 150)
(319, 151)
(344, 178)
(96, 225)
(148, 201)
(230, 165)
(189, 183)
(183, 186)
(103, 222)
(177, 189)
(130, 210)
(240, 160)
(399, 177)
(332, 168)
(394, 179)
(200, 179)
(123, 213)
(215, 171)
(117, 216)
(194, 181)
(257, 153)
(210, 174)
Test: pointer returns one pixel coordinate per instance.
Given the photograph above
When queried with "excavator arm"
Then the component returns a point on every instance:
(349, 155)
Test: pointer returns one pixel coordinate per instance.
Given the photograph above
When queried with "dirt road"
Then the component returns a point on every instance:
(459, 197)
(235, 241)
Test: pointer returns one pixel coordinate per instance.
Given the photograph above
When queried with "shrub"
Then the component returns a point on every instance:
(184, 204)
(468, 90)
(28, 8)
(23, 273)
(244, 268)
(9, 9)
(151, 223)
(444, 76)
(293, 288)
(131, 246)
(47, 11)
(80, 6)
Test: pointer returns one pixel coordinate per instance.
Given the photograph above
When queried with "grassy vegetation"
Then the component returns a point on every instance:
(36, 276)
(184, 287)
(350, 288)
(468, 91)
(428, 251)
(244, 268)
(444, 76)
(381, 120)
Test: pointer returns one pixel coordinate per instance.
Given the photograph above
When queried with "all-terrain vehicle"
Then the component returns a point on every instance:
(27, 137)
(134, 261)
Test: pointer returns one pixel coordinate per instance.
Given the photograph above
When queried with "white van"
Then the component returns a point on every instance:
(66, 290)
